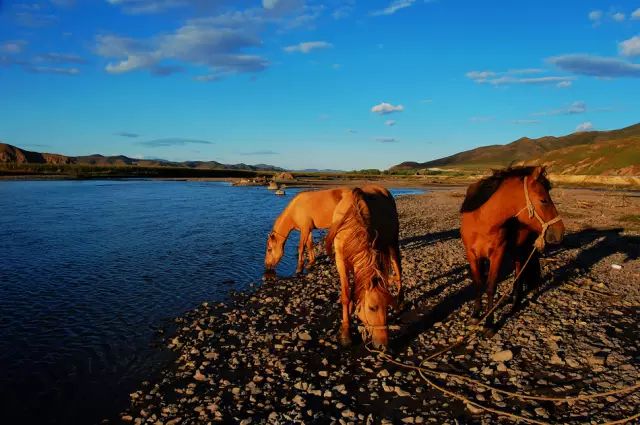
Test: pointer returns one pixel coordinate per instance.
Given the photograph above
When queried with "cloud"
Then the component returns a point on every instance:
(526, 122)
(216, 43)
(53, 70)
(308, 46)
(578, 107)
(390, 123)
(564, 84)
(387, 140)
(344, 10)
(393, 7)
(595, 16)
(135, 7)
(173, 141)
(513, 77)
(260, 153)
(636, 14)
(596, 66)
(60, 58)
(618, 17)
(426, 101)
(127, 134)
(13, 46)
(585, 126)
(630, 47)
(386, 108)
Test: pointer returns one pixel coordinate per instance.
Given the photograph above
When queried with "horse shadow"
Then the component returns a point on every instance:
(598, 243)
(429, 238)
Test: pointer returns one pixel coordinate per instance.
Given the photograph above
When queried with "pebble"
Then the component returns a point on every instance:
(502, 356)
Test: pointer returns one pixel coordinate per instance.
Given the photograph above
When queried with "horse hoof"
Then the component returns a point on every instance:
(345, 341)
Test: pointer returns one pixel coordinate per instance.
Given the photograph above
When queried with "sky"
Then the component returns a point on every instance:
(304, 84)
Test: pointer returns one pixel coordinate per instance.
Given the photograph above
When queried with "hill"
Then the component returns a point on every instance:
(13, 155)
(615, 152)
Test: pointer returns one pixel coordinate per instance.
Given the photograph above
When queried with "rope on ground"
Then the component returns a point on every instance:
(424, 372)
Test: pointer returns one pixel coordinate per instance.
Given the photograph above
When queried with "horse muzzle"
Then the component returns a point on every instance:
(555, 234)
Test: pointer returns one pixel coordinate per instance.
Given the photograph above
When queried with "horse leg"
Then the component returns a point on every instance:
(311, 255)
(394, 252)
(492, 279)
(345, 298)
(516, 292)
(304, 234)
(475, 263)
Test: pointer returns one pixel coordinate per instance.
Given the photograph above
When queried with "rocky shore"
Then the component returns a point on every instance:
(270, 355)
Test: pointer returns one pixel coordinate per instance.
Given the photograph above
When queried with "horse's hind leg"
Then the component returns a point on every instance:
(311, 255)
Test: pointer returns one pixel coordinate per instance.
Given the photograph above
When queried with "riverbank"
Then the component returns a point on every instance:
(271, 355)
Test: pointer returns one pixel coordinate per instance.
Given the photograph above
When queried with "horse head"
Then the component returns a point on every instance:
(372, 311)
(275, 250)
(542, 214)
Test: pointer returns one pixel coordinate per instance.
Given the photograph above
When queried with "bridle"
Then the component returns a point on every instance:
(366, 329)
(540, 242)
(278, 234)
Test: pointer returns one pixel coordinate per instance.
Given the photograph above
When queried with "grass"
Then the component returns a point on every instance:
(630, 218)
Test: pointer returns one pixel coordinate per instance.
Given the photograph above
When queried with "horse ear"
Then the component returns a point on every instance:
(538, 172)
(272, 236)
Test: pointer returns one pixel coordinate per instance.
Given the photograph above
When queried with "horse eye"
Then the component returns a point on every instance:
(544, 201)
(373, 308)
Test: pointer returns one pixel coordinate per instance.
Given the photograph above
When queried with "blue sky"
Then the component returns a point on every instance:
(310, 84)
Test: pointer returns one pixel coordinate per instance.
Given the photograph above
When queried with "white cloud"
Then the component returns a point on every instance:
(636, 14)
(393, 7)
(216, 43)
(526, 122)
(514, 77)
(578, 107)
(596, 66)
(390, 123)
(595, 15)
(564, 84)
(13, 46)
(308, 46)
(585, 126)
(630, 47)
(386, 108)
(618, 17)
(481, 119)
(147, 6)
(387, 139)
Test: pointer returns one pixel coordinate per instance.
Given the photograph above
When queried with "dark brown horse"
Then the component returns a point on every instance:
(364, 236)
(508, 212)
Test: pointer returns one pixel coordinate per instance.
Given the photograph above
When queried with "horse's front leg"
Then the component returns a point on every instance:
(304, 234)
(345, 297)
(394, 252)
(475, 264)
(492, 279)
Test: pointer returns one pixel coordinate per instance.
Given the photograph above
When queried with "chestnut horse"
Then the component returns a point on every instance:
(364, 236)
(307, 211)
(508, 212)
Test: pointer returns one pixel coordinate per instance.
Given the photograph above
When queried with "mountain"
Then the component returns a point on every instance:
(13, 155)
(615, 152)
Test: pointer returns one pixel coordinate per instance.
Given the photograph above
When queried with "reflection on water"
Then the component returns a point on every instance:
(89, 270)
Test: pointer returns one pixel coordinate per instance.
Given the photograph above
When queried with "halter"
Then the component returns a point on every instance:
(539, 243)
(366, 328)
(278, 234)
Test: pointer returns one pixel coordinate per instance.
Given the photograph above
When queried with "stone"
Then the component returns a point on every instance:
(502, 356)
(304, 336)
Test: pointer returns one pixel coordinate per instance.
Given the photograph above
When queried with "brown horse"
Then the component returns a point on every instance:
(364, 236)
(307, 211)
(509, 212)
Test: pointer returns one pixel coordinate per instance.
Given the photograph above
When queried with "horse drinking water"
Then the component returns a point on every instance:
(364, 237)
(510, 211)
(307, 211)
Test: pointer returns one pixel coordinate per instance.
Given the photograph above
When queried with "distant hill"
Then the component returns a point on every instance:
(13, 155)
(615, 152)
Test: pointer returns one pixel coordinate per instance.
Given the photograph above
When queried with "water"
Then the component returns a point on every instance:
(90, 270)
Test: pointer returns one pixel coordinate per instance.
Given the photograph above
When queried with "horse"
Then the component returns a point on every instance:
(364, 239)
(307, 211)
(511, 212)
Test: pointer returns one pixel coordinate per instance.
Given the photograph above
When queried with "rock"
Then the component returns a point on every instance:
(348, 414)
(304, 336)
(502, 356)
(299, 401)
(126, 418)
(198, 376)
(401, 392)
(541, 412)
(473, 409)
(383, 373)
(556, 360)
(409, 420)
(501, 367)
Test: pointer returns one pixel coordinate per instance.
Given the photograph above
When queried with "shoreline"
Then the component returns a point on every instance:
(270, 354)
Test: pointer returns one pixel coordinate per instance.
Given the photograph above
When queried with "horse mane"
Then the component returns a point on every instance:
(370, 266)
(479, 192)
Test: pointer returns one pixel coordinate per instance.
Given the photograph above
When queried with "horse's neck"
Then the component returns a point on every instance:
(284, 224)
(505, 203)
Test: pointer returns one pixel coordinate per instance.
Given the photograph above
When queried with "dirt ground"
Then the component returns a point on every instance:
(271, 355)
